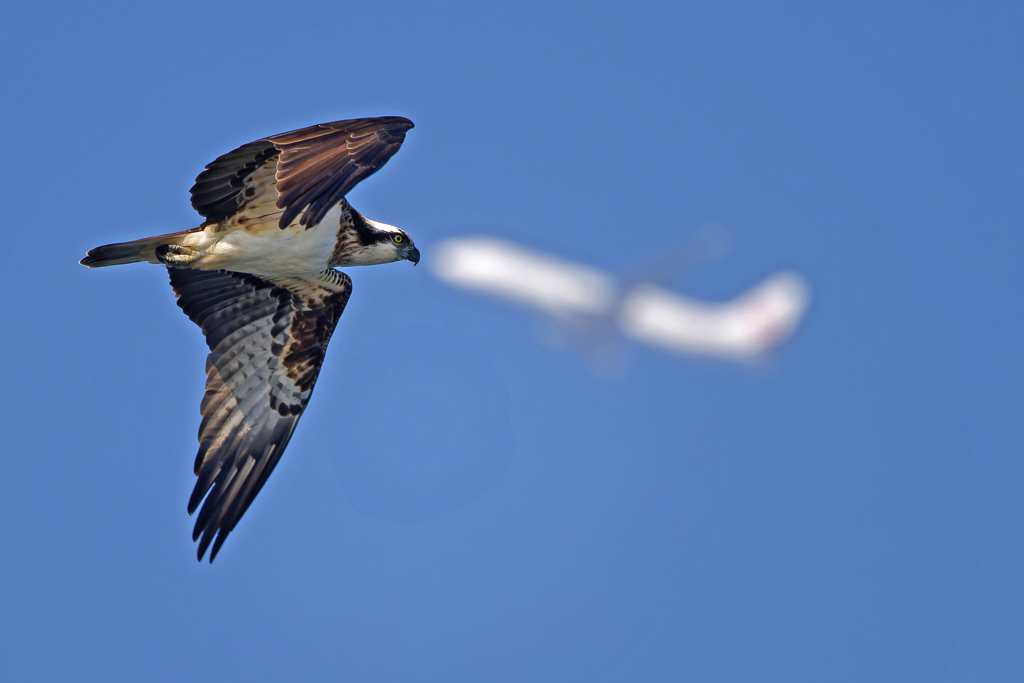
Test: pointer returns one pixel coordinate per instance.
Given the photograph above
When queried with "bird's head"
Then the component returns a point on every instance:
(394, 242)
(374, 242)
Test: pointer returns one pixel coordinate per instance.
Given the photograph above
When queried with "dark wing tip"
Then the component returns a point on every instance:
(394, 134)
(218, 542)
(396, 126)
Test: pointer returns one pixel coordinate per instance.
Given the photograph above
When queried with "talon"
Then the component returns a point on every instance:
(177, 254)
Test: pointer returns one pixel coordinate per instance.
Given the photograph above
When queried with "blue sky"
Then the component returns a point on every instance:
(462, 501)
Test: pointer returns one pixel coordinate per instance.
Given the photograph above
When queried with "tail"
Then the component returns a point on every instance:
(132, 252)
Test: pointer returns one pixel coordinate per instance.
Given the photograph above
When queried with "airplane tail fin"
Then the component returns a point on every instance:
(135, 251)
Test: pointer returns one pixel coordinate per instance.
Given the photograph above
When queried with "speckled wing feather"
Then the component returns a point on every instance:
(220, 190)
(314, 168)
(267, 339)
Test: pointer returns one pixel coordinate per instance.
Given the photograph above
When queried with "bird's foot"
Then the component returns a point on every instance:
(177, 255)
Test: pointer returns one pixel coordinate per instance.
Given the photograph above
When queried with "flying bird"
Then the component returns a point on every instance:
(259, 277)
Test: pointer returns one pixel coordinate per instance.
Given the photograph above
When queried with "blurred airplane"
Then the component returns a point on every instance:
(585, 301)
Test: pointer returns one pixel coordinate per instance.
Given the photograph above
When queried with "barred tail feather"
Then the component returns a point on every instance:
(132, 252)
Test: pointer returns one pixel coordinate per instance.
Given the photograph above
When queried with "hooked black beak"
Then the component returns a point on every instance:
(413, 255)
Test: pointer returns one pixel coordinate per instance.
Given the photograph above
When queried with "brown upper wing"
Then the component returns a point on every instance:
(267, 339)
(315, 167)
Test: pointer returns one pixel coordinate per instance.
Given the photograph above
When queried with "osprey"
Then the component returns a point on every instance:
(258, 277)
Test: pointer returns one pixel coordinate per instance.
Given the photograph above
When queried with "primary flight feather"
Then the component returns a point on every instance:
(259, 278)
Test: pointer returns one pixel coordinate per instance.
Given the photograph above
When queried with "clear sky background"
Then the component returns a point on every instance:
(462, 502)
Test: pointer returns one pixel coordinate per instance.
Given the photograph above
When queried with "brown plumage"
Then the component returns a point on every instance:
(258, 278)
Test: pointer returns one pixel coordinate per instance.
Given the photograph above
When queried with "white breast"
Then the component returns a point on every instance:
(260, 247)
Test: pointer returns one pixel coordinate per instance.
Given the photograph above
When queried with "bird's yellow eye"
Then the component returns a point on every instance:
(398, 238)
